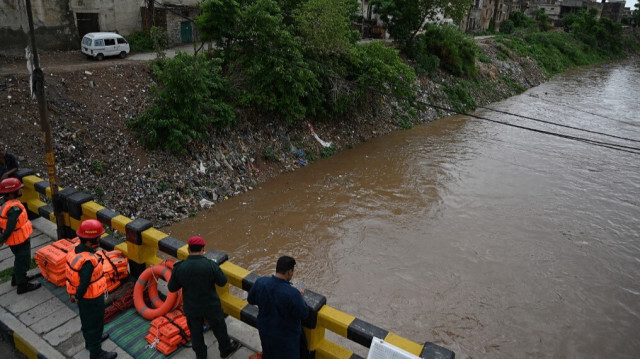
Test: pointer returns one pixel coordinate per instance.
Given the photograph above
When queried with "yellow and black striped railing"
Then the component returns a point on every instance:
(142, 242)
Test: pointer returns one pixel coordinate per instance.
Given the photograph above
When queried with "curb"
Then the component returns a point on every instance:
(24, 339)
(15, 332)
(18, 342)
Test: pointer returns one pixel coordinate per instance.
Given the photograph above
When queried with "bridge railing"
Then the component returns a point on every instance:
(141, 242)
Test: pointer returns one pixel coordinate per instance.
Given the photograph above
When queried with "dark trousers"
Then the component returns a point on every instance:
(22, 260)
(219, 328)
(277, 345)
(92, 320)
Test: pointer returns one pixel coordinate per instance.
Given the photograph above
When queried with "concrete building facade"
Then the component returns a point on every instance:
(52, 20)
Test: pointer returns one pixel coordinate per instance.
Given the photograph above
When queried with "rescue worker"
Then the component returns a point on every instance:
(86, 286)
(198, 276)
(281, 310)
(16, 228)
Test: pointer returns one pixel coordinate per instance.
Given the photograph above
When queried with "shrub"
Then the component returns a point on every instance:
(460, 97)
(159, 38)
(377, 69)
(457, 51)
(542, 19)
(328, 151)
(520, 20)
(507, 26)
(424, 61)
(190, 97)
(140, 41)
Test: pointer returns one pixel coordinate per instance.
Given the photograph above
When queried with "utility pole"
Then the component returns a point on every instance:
(45, 125)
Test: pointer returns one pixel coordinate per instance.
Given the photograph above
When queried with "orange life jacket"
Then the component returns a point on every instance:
(75, 261)
(23, 228)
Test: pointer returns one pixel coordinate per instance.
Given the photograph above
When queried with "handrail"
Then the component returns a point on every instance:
(143, 241)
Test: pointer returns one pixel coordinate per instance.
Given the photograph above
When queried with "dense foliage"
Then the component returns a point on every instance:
(455, 50)
(405, 18)
(294, 60)
(140, 41)
(517, 21)
(190, 96)
(600, 33)
(154, 39)
(288, 60)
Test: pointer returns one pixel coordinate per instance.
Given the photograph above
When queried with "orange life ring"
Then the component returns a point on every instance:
(147, 280)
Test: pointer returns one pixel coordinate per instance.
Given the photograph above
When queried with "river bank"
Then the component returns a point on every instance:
(96, 152)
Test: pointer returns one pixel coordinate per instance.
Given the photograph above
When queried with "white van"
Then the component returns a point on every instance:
(101, 44)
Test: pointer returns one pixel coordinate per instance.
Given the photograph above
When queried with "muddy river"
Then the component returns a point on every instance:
(493, 241)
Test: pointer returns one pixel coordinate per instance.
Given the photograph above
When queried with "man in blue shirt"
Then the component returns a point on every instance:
(281, 310)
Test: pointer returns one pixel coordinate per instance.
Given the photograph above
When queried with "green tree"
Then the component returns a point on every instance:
(507, 26)
(456, 51)
(263, 59)
(190, 95)
(520, 20)
(601, 33)
(293, 59)
(325, 26)
(542, 19)
(218, 22)
(635, 15)
(405, 18)
(382, 72)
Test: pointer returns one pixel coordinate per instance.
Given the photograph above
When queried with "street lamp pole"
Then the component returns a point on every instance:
(45, 125)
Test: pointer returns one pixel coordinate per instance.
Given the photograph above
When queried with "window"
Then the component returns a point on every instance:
(86, 41)
(98, 42)
(122, 41)
(110, 42)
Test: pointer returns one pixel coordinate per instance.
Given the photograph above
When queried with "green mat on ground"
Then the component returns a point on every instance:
(127, 330)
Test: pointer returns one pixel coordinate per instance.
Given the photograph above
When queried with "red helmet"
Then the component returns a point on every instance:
(91, 228)
(10, 185)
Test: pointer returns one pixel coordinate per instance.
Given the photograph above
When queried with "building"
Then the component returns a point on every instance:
(60, 24)
(613, 10)
(53, 22)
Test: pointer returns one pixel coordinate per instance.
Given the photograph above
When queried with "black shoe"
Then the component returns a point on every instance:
(105, 355)
(28, 287)
(234, 346)
(29, 278)
(105, 336)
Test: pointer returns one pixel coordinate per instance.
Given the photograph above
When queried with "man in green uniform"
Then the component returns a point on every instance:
(86, 286)
(15, 229)
(197, 276)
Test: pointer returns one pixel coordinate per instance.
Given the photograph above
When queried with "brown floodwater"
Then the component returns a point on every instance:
(490, 240)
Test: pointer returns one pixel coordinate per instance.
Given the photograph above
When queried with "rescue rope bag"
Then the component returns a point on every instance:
(147, 280)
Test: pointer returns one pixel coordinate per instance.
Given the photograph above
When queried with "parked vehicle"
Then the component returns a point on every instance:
(98, 45)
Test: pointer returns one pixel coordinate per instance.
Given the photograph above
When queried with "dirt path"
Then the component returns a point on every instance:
(75, 60)
(58, 62)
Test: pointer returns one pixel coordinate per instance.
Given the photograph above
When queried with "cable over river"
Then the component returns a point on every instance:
(493, 241)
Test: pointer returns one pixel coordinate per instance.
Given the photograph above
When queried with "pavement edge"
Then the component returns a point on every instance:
(24, 339)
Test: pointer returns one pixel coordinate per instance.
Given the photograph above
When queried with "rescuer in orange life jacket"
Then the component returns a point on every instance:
(15, 228)
(87, 285)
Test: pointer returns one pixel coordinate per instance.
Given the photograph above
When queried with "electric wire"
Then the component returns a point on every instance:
(558, 124)
(628, 149)
(576, 108)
